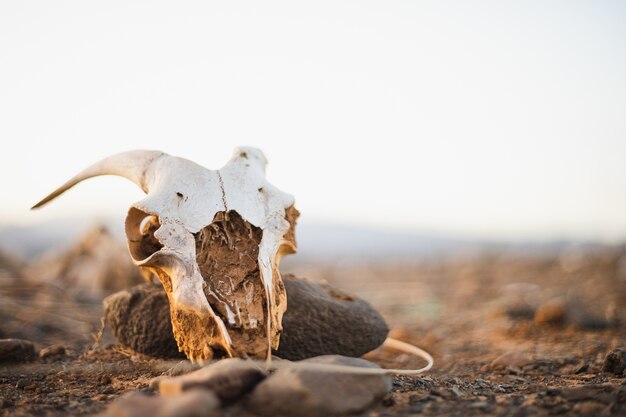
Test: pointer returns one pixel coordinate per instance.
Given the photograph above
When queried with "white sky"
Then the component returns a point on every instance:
(488, 119)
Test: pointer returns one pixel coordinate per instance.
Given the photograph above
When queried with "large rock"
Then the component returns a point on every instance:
(319, 320)
(311, 393)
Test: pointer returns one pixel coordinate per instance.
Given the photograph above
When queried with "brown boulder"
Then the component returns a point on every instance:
(140, 319)
(319, 320)
(322, 320)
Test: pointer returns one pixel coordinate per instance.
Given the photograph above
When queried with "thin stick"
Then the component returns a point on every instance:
(389, 342)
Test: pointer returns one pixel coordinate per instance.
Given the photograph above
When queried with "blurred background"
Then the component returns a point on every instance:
(438, 151)
(489, 121)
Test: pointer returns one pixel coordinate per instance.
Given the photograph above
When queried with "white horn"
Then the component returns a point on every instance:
(131, 165)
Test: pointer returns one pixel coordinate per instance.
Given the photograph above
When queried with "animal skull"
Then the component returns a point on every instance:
(214, 239)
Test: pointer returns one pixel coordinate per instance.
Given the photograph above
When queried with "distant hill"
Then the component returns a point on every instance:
(315, 241)
(32, 240)
(337, 242)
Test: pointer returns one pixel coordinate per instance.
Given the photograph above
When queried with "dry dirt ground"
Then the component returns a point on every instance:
(495, 354)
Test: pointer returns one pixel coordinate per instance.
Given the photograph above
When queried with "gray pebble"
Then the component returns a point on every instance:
(309, 393)
(228, 379)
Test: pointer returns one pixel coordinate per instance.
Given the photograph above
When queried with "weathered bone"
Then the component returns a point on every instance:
(214, 239)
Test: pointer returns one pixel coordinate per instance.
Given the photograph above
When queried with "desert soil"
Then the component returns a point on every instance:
(495, 353)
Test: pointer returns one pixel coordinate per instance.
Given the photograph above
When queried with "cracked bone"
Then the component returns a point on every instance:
(214, 238)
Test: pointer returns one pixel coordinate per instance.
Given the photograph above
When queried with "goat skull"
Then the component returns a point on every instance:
(214, 239)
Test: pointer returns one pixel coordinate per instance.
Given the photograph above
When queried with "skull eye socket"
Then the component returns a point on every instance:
(140, 229)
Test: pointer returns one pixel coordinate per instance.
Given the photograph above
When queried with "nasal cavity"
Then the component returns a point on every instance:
(140, 229)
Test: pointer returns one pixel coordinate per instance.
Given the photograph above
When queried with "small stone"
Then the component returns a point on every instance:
(519, 300)
(479, 405)
(334, 322)
(51, 351)
(582, 369)
(107, 390)
(105, 380)
(589, 408)
(615, 362)
(153, 384)
(438, 393)
(310, 393)
(388, 401)
(456, 392)
(196, 403)
(22, 383)
(511, 359)
(416, 399)
(228, 379)
(16, 350)
(553, 312)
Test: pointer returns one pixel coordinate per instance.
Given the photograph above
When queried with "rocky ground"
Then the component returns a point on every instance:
(511, 336)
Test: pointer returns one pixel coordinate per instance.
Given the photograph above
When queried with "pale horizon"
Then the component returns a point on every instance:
(491, 120)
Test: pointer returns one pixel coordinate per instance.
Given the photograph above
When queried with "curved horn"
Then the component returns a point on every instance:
(131, 165)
